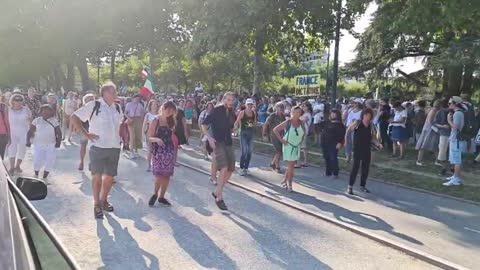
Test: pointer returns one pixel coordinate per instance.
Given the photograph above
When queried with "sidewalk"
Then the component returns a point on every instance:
(443, 227)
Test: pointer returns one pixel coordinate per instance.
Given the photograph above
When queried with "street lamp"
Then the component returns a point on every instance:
(335, 59)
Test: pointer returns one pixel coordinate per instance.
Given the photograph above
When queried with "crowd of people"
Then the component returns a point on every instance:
(293, 125)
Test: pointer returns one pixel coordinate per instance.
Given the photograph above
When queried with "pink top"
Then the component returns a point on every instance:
(3, 117)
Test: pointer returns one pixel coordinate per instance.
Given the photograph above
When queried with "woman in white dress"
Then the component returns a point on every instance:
(19, 117)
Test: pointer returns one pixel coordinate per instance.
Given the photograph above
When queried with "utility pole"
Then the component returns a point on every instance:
(328, 70)
(335, 59)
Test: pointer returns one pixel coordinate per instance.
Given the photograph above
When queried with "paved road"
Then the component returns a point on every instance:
(194, 234)
(443, 227)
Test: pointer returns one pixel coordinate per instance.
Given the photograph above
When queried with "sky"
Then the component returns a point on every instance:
(348, 43)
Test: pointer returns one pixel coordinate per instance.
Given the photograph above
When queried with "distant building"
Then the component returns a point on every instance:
(316, 56)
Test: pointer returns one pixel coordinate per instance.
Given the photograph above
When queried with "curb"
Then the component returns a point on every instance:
(431, 259)
(379, 180)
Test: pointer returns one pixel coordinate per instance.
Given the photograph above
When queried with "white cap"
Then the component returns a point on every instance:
(358, 100)
(249, 101)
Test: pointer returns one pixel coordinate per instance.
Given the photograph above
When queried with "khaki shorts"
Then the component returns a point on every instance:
(224, 156)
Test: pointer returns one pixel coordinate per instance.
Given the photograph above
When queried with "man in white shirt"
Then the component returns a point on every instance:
(105, 117)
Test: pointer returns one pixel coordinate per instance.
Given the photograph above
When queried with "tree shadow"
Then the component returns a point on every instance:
(197, 243)
(122, 245)
(277, 250)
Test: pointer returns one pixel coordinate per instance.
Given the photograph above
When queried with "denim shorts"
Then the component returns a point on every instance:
(455, 152)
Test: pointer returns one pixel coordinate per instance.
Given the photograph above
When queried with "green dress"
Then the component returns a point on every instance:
(294, 136)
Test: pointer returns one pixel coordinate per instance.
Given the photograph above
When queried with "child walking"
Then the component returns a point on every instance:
(47, 135)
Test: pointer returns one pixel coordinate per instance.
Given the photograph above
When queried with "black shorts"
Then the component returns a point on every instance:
(277, 145)
(104, 160)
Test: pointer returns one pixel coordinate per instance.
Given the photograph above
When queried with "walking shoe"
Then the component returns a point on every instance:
(247, 172)
(241, 172)
(107, 206)
(152, 200)
(80, 167)
(437, 163)
(453, 182)
(364, 189)
(450, 178)
(221, 205)
(164, 202)
(350, 191)
(419, 163)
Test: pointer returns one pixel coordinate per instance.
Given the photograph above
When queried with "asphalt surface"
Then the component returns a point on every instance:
(257, 233)
(446, 228)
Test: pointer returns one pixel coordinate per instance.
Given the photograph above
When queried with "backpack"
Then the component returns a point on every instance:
(96, 109)
(469, 128)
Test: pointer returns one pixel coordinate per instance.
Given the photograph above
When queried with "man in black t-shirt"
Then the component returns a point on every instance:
(221, 122)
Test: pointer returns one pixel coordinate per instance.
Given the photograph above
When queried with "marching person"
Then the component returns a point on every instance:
(246, 120)
(362, 149)
(153, 107)
(163, 151)
(19, 117)
(294, 130)
(399, 134)
(70, 105)
(307, 120)
(47, 135)
(134, 112)
(332, 140)
(4, 128)
(104, 117)
(274, 120)
(221, 121)
(350, 116)
(84, 141)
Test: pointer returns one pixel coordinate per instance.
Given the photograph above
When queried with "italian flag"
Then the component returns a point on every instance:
(148, 87)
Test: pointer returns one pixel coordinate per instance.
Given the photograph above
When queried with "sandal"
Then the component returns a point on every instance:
(107, 206)
(284, 184)
(273, 166)
(80, 167)
(97, 212)
(213, 181)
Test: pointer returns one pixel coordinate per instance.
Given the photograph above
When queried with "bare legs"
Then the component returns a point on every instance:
(225, 174)
(98, 184)
(161, 185)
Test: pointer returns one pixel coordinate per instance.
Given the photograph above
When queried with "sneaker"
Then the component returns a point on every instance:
(419, 163)
(164, 202)
(450, 178)
(241, 172)
(247, 172)
(437, 163)
(152, 200)
(221, 205)
(453, 182)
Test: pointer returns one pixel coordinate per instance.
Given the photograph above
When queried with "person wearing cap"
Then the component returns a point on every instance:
(350, 117)
(246, 120)
(400, 132)
(134, 112)
(456, 120)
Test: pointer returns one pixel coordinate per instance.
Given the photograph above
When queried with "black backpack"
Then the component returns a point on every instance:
(96, 109)
(469, 130)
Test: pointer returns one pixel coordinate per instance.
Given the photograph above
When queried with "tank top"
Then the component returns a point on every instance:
(248, 121)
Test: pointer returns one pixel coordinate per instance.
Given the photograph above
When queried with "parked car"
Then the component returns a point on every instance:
(26, 240)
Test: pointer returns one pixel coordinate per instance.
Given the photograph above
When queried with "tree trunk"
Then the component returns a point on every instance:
(467, 79)
(58, 78)
(112, 65)
(212, 85)
(83, 70)
(70, 79)
(257, 60)
(454, 80)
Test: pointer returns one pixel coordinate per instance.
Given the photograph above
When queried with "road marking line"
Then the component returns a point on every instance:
(472, 230)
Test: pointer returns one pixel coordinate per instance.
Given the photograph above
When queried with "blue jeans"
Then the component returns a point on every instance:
(246, 145)
(330, 153)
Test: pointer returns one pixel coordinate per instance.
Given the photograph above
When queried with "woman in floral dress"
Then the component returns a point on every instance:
(163, 152)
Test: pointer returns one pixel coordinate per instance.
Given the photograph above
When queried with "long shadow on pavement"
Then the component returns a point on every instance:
(275, 248)
(197, 243)
(354, 218)
(120, 245)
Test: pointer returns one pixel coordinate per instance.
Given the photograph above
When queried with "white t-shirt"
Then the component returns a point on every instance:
(150, 117)
(19, 120)
(70, 106)
(319, 116)
(105, 125)
(398, 117)
(45, 132)
(352, 116)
